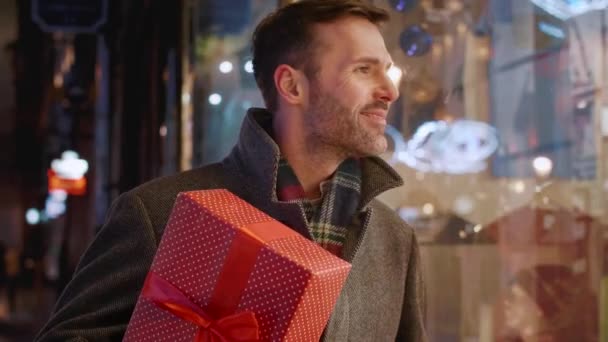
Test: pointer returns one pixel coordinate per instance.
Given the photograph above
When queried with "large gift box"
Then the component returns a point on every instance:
(225, 271)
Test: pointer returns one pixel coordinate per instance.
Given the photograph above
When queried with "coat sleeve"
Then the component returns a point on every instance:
(412, 325)
(97, 303)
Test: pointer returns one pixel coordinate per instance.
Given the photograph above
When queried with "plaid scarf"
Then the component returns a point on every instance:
(327, 217)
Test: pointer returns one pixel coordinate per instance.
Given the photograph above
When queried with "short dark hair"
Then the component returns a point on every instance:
(285, 37)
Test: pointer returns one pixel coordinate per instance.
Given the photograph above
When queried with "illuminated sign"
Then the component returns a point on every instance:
(67, 174)
(71, 186)
(70, 166)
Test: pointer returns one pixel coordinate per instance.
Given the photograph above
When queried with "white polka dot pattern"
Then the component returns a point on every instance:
(292, 288)
(328, 274)
(273, 292)
(192, 256)
(228, 207)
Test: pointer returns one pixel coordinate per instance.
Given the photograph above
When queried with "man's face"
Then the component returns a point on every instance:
(350, 95)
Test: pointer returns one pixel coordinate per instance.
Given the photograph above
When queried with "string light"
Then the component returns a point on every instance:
(215, 99)
(248, 67)
(542, 166)
(226, 67)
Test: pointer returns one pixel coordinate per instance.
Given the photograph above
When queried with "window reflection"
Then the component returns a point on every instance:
(519, 238)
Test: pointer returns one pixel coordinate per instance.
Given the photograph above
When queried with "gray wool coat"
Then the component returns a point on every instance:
(382, 299)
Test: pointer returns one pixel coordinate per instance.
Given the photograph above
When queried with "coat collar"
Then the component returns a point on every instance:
(257, 156)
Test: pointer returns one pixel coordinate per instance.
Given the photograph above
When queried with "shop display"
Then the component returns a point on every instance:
(549, 263)
(457, 147)
(564, 9)
(547, 303)
(415, 41)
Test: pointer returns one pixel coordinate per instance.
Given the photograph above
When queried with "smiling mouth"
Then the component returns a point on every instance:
(376, 116)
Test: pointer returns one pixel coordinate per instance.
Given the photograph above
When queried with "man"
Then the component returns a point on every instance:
(307, 160)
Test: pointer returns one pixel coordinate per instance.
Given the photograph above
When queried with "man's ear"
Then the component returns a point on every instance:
(289, 84)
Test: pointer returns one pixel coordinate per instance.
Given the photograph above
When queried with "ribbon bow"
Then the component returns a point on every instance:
(241, 327)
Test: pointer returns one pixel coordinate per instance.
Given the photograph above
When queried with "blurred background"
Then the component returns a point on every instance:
(500, 133)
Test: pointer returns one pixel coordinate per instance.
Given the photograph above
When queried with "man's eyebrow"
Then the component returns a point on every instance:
(372, 60)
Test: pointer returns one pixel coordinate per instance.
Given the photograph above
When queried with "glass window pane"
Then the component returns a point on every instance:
(224, 84)
(498, 135)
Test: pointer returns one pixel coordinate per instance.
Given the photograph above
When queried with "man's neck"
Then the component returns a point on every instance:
(311, 170)
(311, 164)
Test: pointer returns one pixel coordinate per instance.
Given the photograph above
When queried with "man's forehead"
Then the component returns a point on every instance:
(352, 36)
(346, 26)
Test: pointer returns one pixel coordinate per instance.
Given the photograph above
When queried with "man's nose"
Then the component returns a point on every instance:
(387, 91)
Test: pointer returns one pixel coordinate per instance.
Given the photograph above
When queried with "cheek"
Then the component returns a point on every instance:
(348, 101)
(353, 102)
(353, 93)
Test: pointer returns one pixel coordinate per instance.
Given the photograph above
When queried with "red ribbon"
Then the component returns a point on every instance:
(239, 263)
(241, 327)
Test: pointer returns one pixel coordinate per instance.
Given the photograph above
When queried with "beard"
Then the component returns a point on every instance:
(334, 128)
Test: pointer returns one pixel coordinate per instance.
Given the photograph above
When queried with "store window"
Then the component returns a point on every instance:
(499, 136)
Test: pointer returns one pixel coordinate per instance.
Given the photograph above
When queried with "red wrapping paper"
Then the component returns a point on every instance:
(225, 271)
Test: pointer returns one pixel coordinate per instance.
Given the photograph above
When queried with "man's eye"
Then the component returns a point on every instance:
(363, 69)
